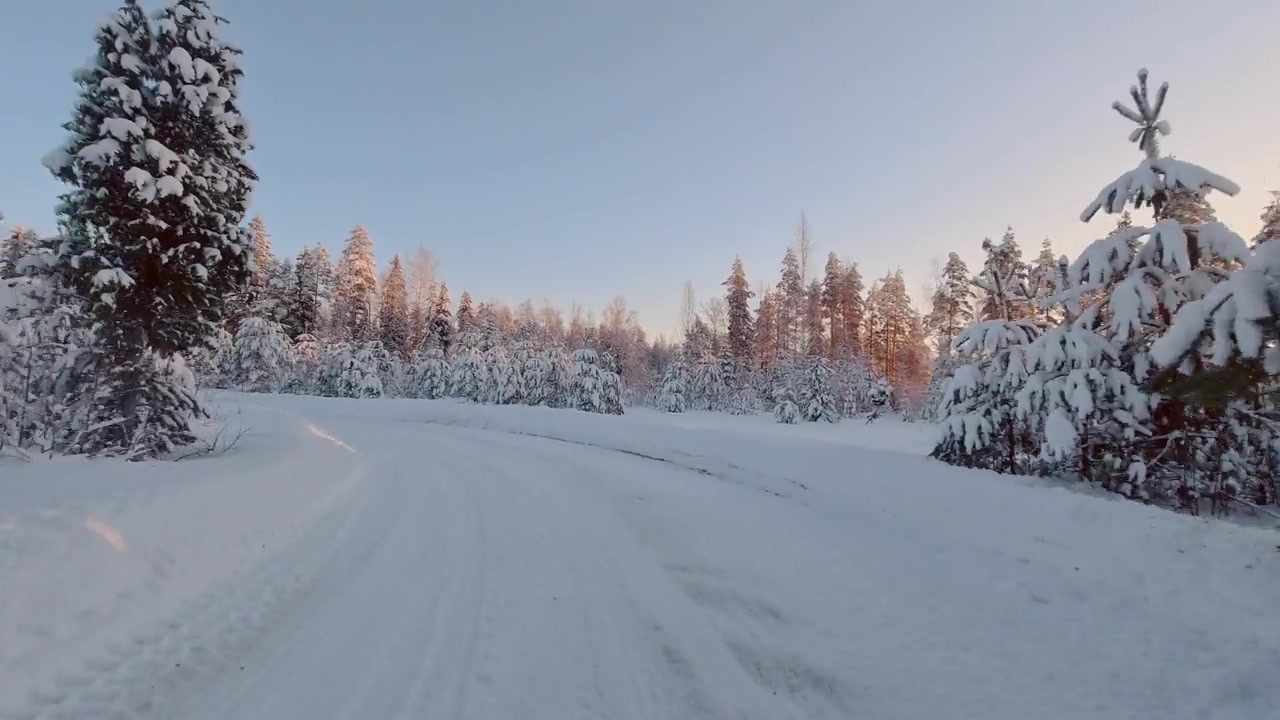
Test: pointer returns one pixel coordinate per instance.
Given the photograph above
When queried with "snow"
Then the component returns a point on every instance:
(169, 185)
(408, 558)
(120, 128)
(182, 60)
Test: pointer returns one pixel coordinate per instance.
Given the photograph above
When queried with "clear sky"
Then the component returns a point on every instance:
(578, 150)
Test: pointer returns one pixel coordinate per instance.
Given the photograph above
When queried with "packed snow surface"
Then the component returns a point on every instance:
(431, 559)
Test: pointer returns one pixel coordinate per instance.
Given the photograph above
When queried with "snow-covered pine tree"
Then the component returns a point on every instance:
(261, 357)
(737, 296)
(981, 426)
(783, 392)
(675, 383)
(356, 289)
(709, 390)
(393, 312)
(326, 291)
(502, 382)
(852, 310)
(791, 305)
(831, 309)
(17, 245)
(357, 372)
(1270, 221)
(814, 332)
(151, 233)
(440, 324)
(1043, 280)
(1138, 279)
(1004, 281)
(466, 315)
(765, 337)
(264, 259)
(432, 375)
(817, 401)
(585, 382)
(468, 375)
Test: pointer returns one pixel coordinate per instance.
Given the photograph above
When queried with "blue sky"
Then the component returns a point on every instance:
(578, 150)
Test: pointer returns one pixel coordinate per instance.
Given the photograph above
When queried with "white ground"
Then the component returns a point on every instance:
(406, 559)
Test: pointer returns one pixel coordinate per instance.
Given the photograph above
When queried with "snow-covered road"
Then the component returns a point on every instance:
(460, 572)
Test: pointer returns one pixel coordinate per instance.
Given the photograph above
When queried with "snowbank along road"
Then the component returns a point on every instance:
(401, 559)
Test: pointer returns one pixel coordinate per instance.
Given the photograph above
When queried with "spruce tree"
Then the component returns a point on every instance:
(817, 400)
(737, 296)
(151, 237)
(357, 288)
(393, 312)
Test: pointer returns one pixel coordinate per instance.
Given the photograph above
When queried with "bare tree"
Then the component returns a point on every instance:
(688, 308)
(715, 313)
(804, 249)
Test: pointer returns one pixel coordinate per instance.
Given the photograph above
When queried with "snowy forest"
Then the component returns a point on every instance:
(1146, 365)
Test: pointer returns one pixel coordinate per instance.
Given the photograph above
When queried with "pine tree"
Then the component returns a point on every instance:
(791, 305)
(264, 260)
(1270, 221)
(432, 375)
(709, 388)
(852, 309)
(440, 325)
(466, 315)
(151, 235)
(952, 304)
(737, 297)
(675, 383)
(766, 331)
(17, 246)
(831, 308)
(262, 355)
(785, 409)
(1043, 280)
(357, 288)
(393, 312)
(325, 291)
(814, 334)
(304, 296)
(586, 391)
(1005, 279)
(468, 377)
(817, 401)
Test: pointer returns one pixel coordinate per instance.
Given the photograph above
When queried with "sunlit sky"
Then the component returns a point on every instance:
(579, 150)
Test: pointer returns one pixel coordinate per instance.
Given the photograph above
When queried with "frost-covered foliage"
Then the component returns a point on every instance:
(590, 386)
(785, 402)
(261, 357)
(468, 378)
(350, 370)
(708, 388)
(817, 401)
(674, 386)
(430, 376)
